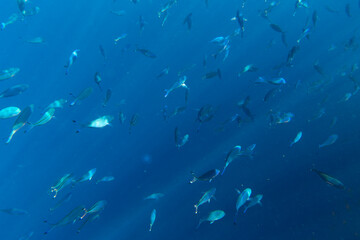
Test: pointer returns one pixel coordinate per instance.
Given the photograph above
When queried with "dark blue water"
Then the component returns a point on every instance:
(297, 204)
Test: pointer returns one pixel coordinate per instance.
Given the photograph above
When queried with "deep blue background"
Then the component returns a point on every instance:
(296, 203)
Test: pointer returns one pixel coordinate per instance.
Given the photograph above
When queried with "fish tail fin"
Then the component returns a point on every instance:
(166, 92)
(223, 171)
(11, 136)
(260, 80)
(194, 179)
(84, 214)
(196, 208)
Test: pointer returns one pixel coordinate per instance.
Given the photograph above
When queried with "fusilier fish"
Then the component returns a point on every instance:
(205, 198)
(328, 179)
(296, 139)
(72, 217)
(66, 180)
(154, 196)
(9, 112)
(206, 177)
(232, 154)
(97, 207)
(105, 179)
(329, 141)
(87, 176)
(242, 199)
(101, 122)
(20, 121)
(152, 219)
(14, 90)
(57, 104)
(48, 115)
(180, 83)
(71, 60)
(254, 201)
(83, 94)
(8, 73)
(212, 217)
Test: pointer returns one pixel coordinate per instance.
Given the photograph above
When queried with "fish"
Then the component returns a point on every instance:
(188, 21)
(14, 211)
(122, 36)
(300, 3)
(212, 74)
(14, 90)
(152, 219)
(315, 17)
(9, 112)
(248, 68)
(163, 72)
(8, 73)
(97, 207)
(271, 93)
(66, 198)
(105, 179)
(296, 139)
(232, 154)
(83, 94)
(318, 69)
(101, 122)
(305, 34)
(72, 217)
(57, 104)
(206, 113)
(154, 196)
(276, 28)
(206, 177)
(21, 121)
(87, 176)
(166, 7)
(89, 219)
(241, 200)
(291, 54)
(97, 80)
(180, 141)
(253, 201)
(347, 10)
(243, 105)
(66, 180)
(133, 121)
(329, 180)
(71, 61)
(146, 52)
(329, 141)
(107, 97)
(48, 115)
(21, 6)
(122, 117)
(248, 152)
(205, 198)
(36, 40)
(273, 81)
(212, 217)
(181, 83)
(102, 52)
(141, 23)
(118, 12)
(241, 21)
(346, 97)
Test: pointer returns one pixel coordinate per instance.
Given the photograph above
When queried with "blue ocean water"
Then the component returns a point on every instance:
(144, 159)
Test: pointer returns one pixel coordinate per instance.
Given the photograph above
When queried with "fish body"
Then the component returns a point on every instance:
(241, 21)
(146, 52)
(84, 94)
(188, 21)
(181, 83)
(206, 177)
(122, 117)
(14, 211)
(14, 90)
(206, 113)
(66, 198)
(101, 122)
(212, 74)
(97, 207)
(164, 72)
(154, 196)
(205, 198)
(329, 180)
(71, 61)
(329, 141)
(72, 217)
(271, 93)
(232, 154)
(98, 80)
(122, 36)
(87, 176)
(107, 97)
(241, 200)
(212, 217)
(36, 40)
(296, 139)
(66, 180)
(105, 179)
(20, 121)
(57, 104)
(152, 219)
(8, 73)
(254, 201)
(9, 112)
(48, 115)
(276, 28)
(273, 81)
